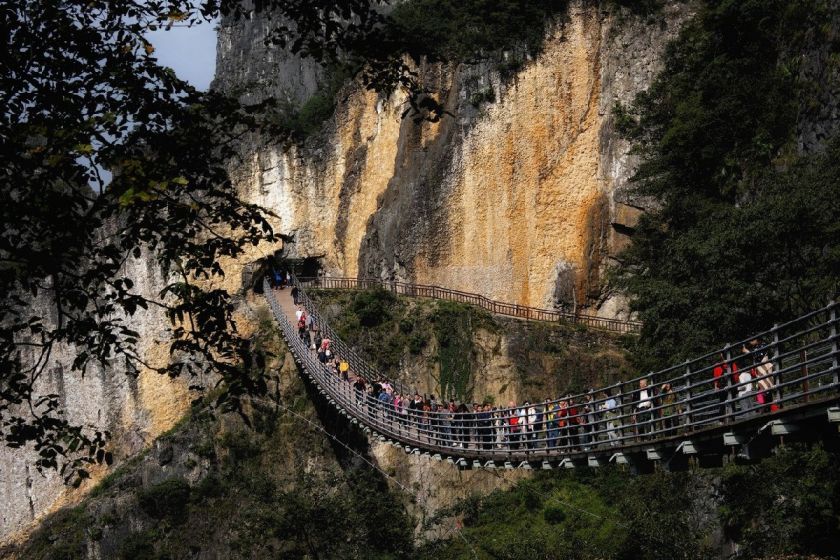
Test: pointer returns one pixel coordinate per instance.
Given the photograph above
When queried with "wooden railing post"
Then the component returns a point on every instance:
(687, 388)
(776, 372)
(803, 372)
(834, 358)
(729, 372)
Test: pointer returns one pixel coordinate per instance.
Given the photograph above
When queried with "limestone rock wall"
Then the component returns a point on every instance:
(134, 409)
(253, 70)
(520, 198)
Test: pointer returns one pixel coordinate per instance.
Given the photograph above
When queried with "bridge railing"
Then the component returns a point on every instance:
(491, 305)
(797, 363)
(340, 348)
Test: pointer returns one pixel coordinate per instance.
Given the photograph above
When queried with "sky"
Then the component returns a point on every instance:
(190, 51)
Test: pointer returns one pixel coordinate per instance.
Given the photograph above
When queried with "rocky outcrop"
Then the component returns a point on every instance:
(517, 194)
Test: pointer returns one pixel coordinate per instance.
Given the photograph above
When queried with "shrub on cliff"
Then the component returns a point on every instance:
(373, 307)
(166, 500)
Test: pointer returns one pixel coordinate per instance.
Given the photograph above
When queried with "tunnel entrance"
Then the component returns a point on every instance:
(309, 267)
(275, 267)
(306, 267)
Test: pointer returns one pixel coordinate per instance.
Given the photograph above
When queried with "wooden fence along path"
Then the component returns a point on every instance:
(491, 305)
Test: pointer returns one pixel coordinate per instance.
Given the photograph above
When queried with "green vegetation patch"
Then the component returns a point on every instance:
(304, 120)
(140, 546)
(62, 536)
(385, 329)
(786, 506)
(454, 330)
(166, 500)
(746, 231)
(390, 331)
(468, 29)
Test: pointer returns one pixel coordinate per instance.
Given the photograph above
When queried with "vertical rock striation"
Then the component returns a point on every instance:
(520, 195)
(135, 410)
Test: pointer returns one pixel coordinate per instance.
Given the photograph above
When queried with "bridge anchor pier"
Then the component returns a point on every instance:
(595, 461)
(568, 463)
(834, 416)
(626, 461)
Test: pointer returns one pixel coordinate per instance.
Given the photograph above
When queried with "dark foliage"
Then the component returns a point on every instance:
(471, 29)
(373, 307)
(167, 500)
(786, 506)
(746, 232)
(789, 504)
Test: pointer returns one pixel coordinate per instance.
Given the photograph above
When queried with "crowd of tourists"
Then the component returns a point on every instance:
(606, 417)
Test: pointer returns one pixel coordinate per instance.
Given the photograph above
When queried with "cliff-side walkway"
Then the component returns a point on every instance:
(493, 306)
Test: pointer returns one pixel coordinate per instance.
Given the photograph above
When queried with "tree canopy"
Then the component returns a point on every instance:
(745, 231)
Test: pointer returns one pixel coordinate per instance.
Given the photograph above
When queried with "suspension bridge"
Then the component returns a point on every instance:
(701, 411)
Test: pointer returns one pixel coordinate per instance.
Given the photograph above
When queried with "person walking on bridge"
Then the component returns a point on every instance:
(725, 374)
(643, 399)
(484, 423)
(670, 409)
(461, 427)
(610, 410)
(745, 392)
(531, 426)
(552, 417)
(514, 428)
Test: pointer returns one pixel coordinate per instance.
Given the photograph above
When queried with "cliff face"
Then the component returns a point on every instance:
(134, 409)
(517, 195)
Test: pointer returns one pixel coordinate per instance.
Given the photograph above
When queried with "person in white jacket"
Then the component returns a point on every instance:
(532, 425)
(745, 391)
(522, 413)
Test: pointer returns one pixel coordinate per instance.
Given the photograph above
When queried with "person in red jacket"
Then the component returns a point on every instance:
(720, 372)
(513, 426)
